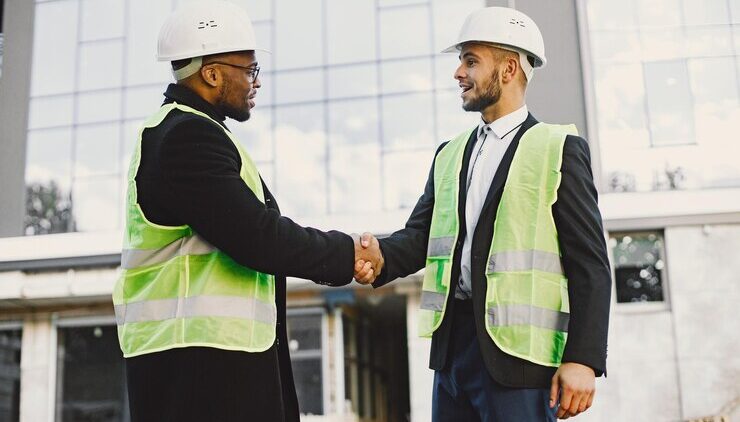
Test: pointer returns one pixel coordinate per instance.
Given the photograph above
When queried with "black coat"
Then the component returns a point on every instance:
(584, 259)
(189, 174)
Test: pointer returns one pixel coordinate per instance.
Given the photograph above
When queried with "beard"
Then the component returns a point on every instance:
(490, 95)
(239, 111)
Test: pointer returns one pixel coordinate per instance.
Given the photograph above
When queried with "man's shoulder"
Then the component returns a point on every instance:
(178, 122)
(575, 144)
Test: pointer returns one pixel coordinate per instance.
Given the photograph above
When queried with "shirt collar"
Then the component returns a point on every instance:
(184, 95)
(505, 124)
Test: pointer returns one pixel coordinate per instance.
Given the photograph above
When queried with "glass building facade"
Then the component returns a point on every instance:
(666, 79)
(354, 101)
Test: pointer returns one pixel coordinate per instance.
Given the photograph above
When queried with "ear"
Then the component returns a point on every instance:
(210, 76)
(510, 70)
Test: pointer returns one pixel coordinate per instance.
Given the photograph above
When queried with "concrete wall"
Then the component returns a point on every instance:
(14, 92)
(679, 363)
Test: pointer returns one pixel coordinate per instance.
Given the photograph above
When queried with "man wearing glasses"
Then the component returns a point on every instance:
(200, 304)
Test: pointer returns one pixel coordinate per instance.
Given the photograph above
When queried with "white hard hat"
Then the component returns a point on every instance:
(200, 28)
(506, 28)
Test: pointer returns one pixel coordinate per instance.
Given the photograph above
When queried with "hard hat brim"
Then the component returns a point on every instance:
(539, 61)
(201, 54)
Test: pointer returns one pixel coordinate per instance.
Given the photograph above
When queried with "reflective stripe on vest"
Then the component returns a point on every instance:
(507, 315)
(526, 303)
(178, 290)
(197, 306)
(191, 245)
(525, 261)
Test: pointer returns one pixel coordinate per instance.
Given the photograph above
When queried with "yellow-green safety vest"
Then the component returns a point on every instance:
(177, 290)
(526, 306)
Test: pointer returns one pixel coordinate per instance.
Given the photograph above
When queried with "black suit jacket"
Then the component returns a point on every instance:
(189, 174)
(584, 259)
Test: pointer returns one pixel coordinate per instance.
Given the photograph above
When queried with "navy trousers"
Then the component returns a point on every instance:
(465, 391)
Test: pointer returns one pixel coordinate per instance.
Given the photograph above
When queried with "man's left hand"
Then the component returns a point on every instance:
(577, 385)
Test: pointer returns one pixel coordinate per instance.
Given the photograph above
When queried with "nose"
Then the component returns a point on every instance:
(257, 83)
(460, 73)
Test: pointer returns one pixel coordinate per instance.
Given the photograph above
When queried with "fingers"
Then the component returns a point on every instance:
(575, 402)
(566, 400)
(367, 239)
(364, 273)
(554, 387)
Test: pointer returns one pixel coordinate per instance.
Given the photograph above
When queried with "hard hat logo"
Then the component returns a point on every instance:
(187, 35)
(517, 22)
(209, 24)
(505, 28)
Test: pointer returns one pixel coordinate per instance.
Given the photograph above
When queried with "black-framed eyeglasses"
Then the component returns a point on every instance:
(252, 71)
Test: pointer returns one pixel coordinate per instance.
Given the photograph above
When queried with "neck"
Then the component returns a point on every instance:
(505, 105)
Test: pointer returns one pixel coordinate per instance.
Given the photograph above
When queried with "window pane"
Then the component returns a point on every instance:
(258, 9)
(405, 175)
(622, 103)
(702, 12)
(309, 388)
(256, 134)
(304, 332)
(96, 204)
(54, 48)
(638, 264)
(449, 17)
(91, 381)
(408, 121)
(656, 13)
(305, 342)
(445, 66)
(97, 150)
(669, 103)
(451, 118)
(353, 81)
(354, 156)
(299, 40)
(49, 157)
(661, 44)
(102, 19)
(96, 106)
(390, 3)
(398, 39)
(100, 65)
(142, 67)
(615, 46)
(407, 75)
(143, 102)
(610, 14)
(300, 140)
(50, 112)
(712, 41)
(351, 24)
(299, 86)
(10, 375)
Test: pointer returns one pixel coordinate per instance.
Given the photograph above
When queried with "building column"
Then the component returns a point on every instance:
(38, 369)
(421, 378)
(15, 89)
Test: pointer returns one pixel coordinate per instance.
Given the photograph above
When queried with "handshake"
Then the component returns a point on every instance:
(368, 258)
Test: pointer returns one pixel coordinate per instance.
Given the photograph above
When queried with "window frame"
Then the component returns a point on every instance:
(323, 354)
(640, 307)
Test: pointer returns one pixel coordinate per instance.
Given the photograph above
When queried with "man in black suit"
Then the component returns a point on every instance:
(189, 175)
(493, 77)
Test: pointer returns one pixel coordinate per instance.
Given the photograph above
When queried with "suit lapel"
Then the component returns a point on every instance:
(502, 173)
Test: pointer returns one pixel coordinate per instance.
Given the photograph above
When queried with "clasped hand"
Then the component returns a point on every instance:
(368, 258)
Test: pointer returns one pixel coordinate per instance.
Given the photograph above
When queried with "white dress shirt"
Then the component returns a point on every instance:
(493, 140)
